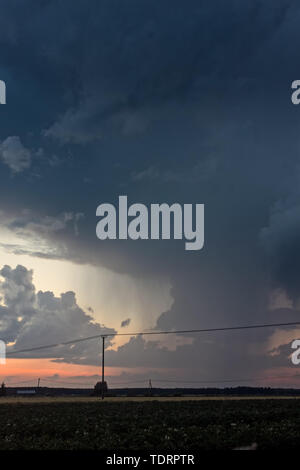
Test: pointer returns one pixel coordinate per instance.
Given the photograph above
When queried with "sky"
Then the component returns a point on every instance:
(187, 103)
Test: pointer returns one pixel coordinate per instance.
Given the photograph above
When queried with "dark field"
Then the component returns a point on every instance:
(152, 425)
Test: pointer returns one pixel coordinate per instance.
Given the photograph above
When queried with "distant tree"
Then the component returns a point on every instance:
(3, 390)
(98, 388)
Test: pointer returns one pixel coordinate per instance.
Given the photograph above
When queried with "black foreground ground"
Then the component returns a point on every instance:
(153, 425)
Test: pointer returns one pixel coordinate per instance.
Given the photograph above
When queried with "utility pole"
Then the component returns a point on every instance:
(150, 387)
(38, 384)
(103, 341)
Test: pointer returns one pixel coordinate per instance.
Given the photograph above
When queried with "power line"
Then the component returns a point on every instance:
(21, 383)
(144, 333)
(249, 379)
(62, 382)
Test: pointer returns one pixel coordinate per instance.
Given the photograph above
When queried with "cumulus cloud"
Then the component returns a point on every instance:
(17, 306)
(17, 289)
(14, 154)
(29, 318)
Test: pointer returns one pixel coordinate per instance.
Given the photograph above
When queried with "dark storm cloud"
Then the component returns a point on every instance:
(152, 57)
(125, 322)
(281, 240)
(114, 63)
(166, 104)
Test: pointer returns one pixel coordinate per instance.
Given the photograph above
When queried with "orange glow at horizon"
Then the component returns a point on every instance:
(16, 371)
(46, 367)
